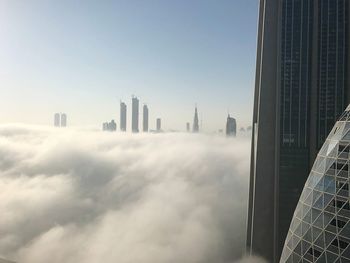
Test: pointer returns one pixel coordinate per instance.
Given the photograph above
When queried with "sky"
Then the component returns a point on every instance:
(83, 57)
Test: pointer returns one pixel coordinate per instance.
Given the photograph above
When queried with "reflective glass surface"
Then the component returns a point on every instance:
(320, 228)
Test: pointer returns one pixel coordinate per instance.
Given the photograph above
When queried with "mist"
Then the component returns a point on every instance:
(70, 195)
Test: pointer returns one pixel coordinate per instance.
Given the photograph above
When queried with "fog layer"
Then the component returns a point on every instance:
(78, 196)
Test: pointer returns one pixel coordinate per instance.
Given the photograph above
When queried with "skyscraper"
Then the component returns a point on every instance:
(159, 124)
(105, 126)
(145, 118)
(112, 126)
(302, 85)
(60, 120)
(188, 127)
(63, 120)
(195, 121)
(135, 115)
(122, 116)
(57, 120)
(231, 126)
(109, 126)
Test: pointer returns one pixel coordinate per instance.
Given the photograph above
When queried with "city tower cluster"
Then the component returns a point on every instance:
(135, 111)
(60, 120)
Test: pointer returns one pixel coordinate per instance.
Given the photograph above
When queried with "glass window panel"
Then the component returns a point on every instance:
(320, 241)
(327, 218)
(322, 258)
(319, 203)
(315, 233)
(315, 196)
(329, 237)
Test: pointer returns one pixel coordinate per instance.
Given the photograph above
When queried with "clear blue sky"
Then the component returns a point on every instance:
(82, 57)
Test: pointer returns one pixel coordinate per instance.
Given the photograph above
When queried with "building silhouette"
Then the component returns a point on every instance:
(302, 86)
(109, 126)
(320, 229)
(112, 126)
(195, 121)
(135, 115)
(63, 120)
(122, 116)
(105, 126)
(145, 118)
(57, 120)
(60, 120)
(159, 124)
(231, 128)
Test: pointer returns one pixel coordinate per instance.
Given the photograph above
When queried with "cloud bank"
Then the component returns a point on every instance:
(78, 196)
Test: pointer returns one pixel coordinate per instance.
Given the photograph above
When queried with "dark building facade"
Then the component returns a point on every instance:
(135, 115)
(122, 116)
(145, 118)
(301, 88)
(231, 128)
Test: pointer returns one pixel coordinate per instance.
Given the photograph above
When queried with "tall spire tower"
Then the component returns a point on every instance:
(195, 121)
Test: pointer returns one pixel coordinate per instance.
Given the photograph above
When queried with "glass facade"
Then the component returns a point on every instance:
(332, 63)
(320, 229)
(295, 89)
(296, 81)
(302, 87)
(297, 25)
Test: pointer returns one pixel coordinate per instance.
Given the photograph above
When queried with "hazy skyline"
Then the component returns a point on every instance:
(84, 57)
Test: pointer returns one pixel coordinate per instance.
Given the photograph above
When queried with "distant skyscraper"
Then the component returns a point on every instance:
(231, 126)
(159, 124)
(302, 86)
(109, 126)
(60, 120)
(145, 118)
(195, 121)
(122, 116)
(57, 120)
(135, 115)
(188, 129)
(63, 120)
(105, 126)
(112, 126)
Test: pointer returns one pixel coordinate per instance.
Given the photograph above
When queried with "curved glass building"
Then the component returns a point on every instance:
(320, 229)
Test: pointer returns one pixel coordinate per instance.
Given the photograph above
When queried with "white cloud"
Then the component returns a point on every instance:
(86, 196)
